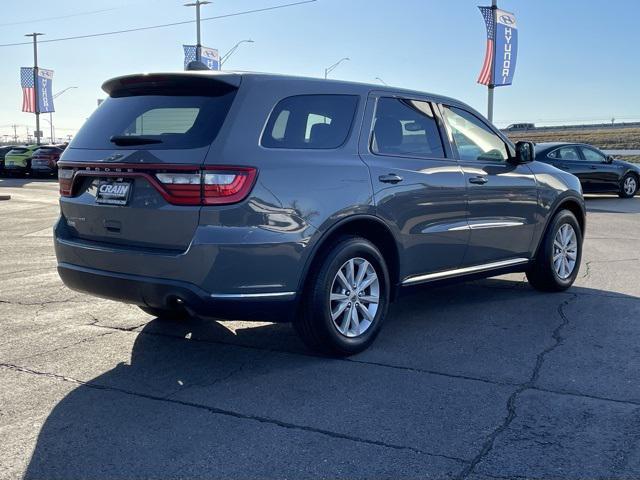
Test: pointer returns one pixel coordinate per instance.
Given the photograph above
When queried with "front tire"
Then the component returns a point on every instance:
(346, 298)
(557, 263)
(629, 186)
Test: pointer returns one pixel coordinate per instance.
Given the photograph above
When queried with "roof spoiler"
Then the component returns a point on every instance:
(195, 80)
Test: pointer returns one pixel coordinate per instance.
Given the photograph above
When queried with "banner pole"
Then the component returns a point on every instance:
(35, 83)
(491, 86)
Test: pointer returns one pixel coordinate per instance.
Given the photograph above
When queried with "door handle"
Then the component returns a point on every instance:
(592, 167)
(479, 180)
(390, 178)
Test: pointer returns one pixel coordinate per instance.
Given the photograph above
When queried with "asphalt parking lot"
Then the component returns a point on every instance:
(488, 379)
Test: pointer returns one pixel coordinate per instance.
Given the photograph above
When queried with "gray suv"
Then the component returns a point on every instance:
(276, 198)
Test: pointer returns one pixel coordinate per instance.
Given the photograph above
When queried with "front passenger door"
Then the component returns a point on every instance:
(603, 176)
(502, 196)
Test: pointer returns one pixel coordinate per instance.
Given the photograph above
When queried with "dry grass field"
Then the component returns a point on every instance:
(604, 138)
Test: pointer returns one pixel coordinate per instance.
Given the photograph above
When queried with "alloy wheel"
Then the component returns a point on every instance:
(565, 251)
(630, 185)
(355, 297)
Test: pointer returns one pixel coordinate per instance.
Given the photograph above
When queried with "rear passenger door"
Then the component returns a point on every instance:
(419, 188)
(502, 196)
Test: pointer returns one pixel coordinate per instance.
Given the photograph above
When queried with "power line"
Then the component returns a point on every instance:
(93, 12)
(117, 32)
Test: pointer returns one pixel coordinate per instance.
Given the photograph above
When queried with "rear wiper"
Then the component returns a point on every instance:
(124, 140)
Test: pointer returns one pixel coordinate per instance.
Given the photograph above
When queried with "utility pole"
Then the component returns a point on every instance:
(15, 133)
(35, 36)
(491, 87)
(197, 4)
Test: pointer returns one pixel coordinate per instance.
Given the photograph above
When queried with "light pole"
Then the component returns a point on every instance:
(35, 36)
(56, 95)
(381, 81)
(226, 56)
(330, 69)
(197, 4)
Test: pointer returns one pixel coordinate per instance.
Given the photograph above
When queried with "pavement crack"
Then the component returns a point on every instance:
(231, 413)
(487, 446)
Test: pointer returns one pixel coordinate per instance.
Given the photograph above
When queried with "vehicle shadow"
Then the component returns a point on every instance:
(136, 420)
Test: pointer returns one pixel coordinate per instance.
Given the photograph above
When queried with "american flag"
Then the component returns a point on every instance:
(28, 89)
(485, 77)
(190, 54)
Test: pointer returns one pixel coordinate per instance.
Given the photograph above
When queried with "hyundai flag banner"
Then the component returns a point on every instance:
(502, 48)
(42, 84)
(45, 90)
(209, 57)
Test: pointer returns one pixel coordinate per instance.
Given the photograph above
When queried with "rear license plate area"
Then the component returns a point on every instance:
(113, 192)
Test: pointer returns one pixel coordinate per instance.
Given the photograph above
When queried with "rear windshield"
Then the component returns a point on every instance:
(169, 121)
(310, 122)
(19, 150)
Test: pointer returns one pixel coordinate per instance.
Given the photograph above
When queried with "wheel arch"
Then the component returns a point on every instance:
(369, 227)
(568, 202)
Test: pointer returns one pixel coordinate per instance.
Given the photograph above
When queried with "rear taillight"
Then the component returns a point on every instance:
(215, 186)
(222, 185)
(65, 179)
(182, 188)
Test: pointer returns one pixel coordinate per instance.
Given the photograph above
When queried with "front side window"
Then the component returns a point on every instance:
(473, 138)
(565, 153)
(310, 122)
(406, 127)
(593, 156)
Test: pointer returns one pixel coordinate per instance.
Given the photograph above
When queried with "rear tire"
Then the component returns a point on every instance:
(336, 318)
(628, 186)
(557, 263)
(165, 314)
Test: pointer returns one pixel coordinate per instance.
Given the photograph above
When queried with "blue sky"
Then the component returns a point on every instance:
(577, 60)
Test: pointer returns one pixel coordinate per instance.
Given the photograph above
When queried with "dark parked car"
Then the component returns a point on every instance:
(598, 172)
(45, 160)
(266, 197)
(3, 152)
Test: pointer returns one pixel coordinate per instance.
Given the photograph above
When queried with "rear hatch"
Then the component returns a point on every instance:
(17, 157)
(132, 175)
(45, 157)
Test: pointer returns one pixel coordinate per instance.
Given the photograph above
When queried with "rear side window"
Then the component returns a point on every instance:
(171, 121)
(565, 153)
(310, 122)
(406, 127)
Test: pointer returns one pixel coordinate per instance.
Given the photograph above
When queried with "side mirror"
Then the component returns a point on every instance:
(610, 158)
(525, 152)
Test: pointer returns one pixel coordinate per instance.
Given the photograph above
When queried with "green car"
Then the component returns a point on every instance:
(18, 160)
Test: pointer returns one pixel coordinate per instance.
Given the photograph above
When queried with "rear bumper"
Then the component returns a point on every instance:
(43, 169)
(161, 293)
(16, 168)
